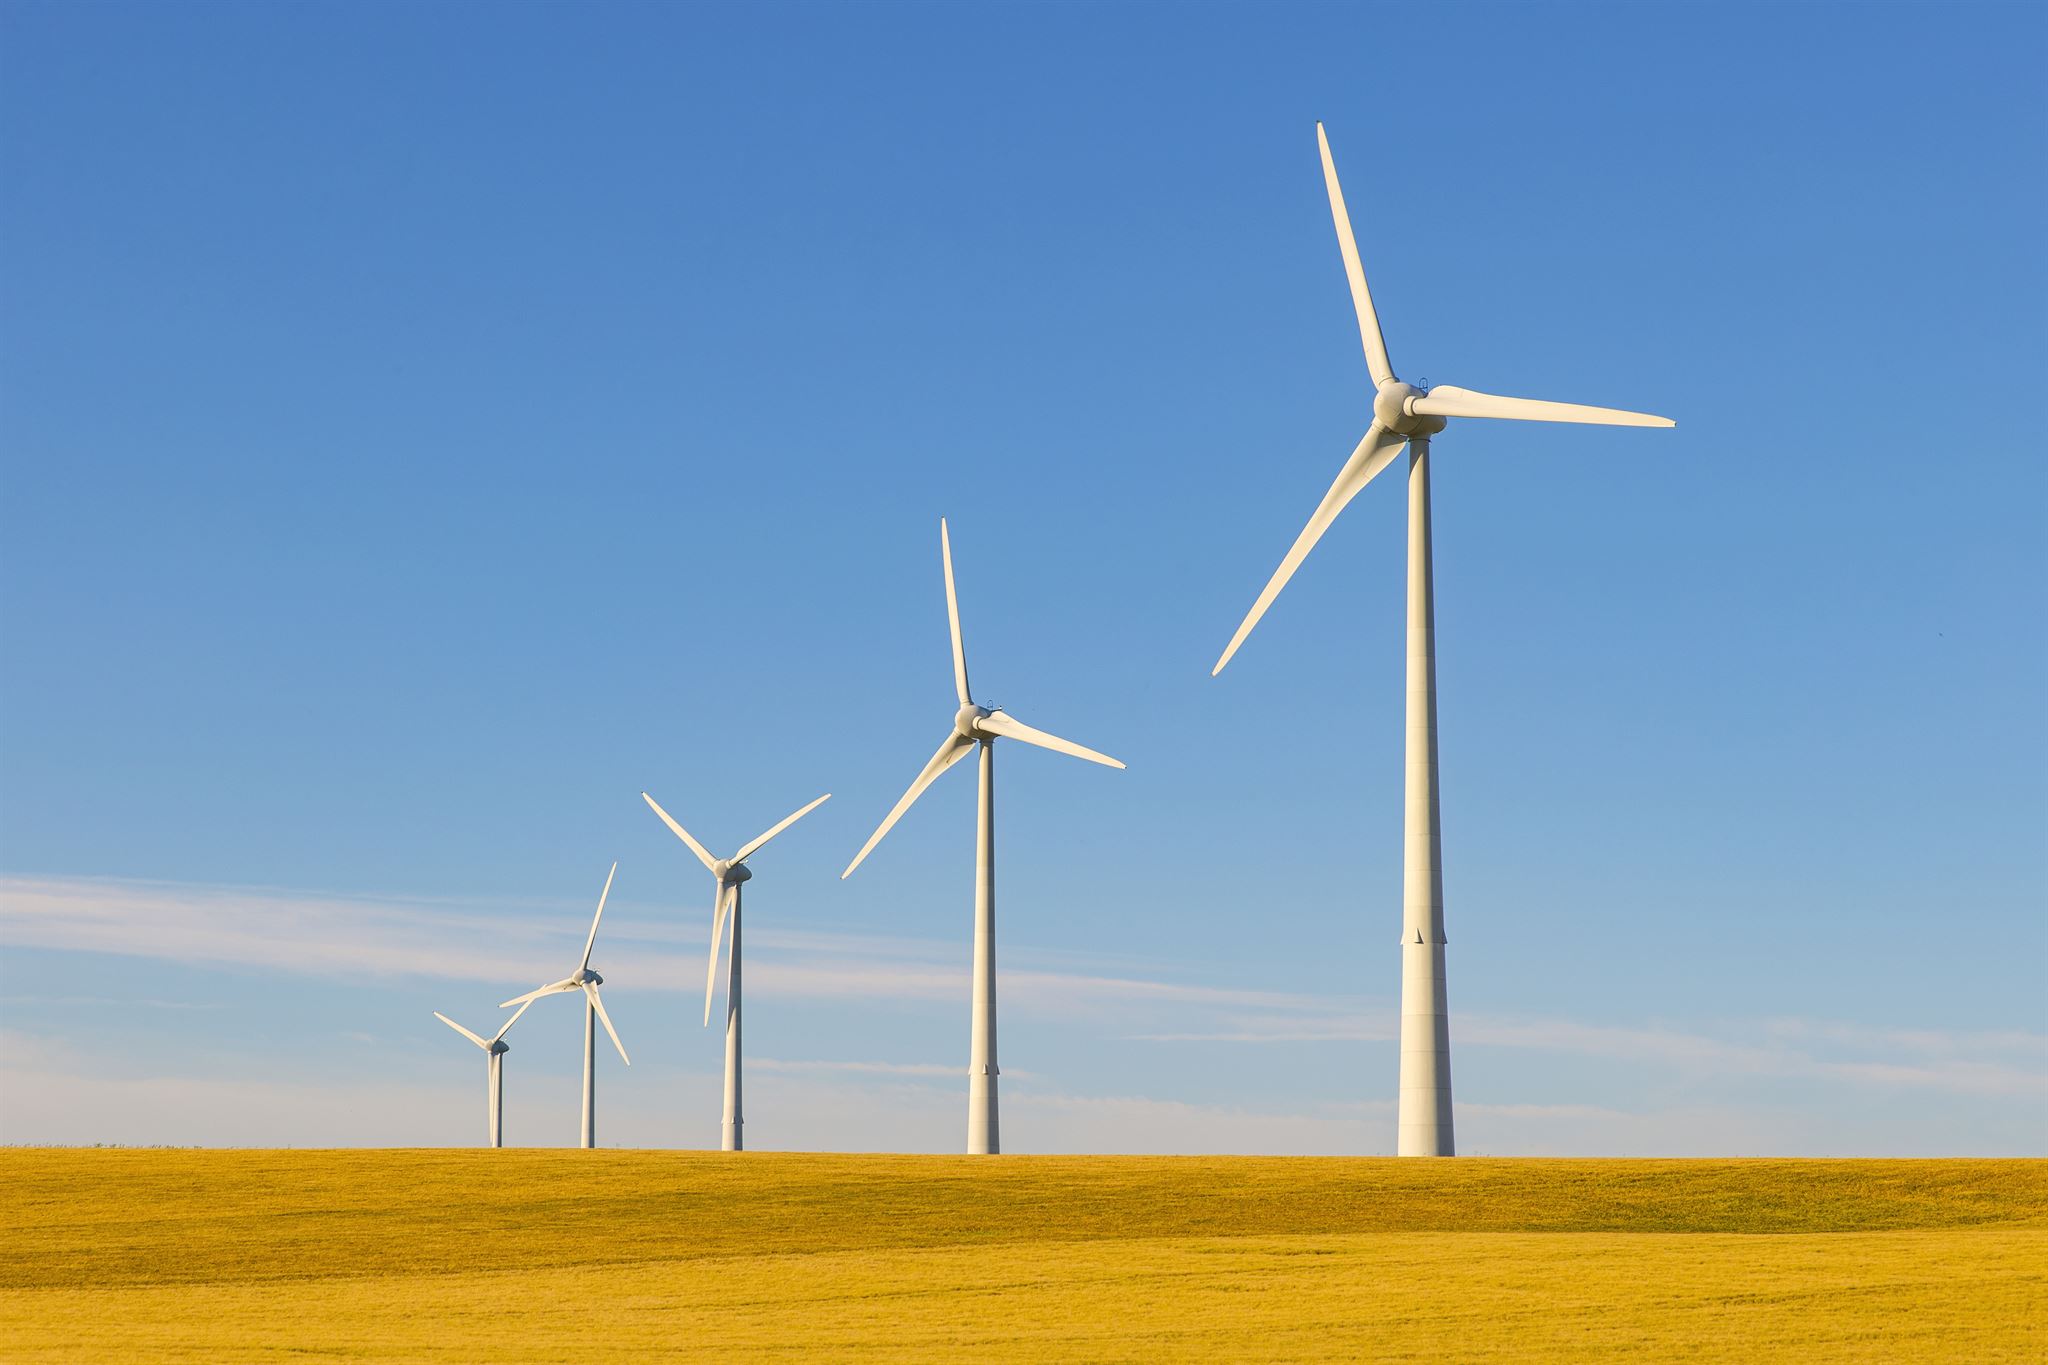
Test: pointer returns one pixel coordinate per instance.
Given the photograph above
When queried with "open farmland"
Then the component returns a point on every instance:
(543, 1255)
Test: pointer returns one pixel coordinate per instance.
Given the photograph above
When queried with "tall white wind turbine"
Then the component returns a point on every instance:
(585, 980)
(494, 1061)
(727, 876)
(976, 726)
(1406, 415)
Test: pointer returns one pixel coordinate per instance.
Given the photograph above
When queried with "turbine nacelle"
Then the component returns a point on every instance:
(967, 721)
(1394, 408)
(494, 1046)
(731, 873)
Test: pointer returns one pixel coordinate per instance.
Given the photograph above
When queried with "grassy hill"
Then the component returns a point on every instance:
(549, 1255)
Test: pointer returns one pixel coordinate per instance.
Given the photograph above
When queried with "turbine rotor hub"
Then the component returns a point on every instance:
(1390, 407)
(967, 721)
(732, 874)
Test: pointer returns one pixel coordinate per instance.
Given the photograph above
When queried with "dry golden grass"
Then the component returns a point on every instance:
(596, 1256)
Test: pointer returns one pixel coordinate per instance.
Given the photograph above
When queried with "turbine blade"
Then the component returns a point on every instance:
(719, 900)
(591, 942)
(597, 1003)
(950, 752)
(1374, 453)
(1361, 297)
(554, 988)
(463, 1031)
(681, 833)
(756, 846)
(510, 1022)
(953, 616)
(1448, 400)
(1010, 727)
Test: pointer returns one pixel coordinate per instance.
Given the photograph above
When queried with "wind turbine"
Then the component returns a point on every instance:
(728, 874)
(587, 981)
(495, 1051)
(973, 726)
(1405, 414)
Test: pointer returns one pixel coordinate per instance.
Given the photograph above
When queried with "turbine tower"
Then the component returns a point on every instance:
(1406, 415)
(494, 1054)
(587, 981)
(727, 875)
(976, 726)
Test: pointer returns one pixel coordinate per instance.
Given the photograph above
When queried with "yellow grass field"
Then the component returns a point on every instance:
(515, 1256)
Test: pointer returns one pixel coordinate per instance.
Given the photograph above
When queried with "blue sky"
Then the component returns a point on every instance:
(427, 427)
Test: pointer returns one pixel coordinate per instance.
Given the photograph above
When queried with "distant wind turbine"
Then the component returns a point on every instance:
(494, 1051)
(587, 981)
(974, 726)
(1405, 414)
(727, 875)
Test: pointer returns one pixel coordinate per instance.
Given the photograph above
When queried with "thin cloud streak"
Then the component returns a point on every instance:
(267, 927)
(85, 1098)
(349, 938)
(112, 1002)
(863, 1068)
(1700, 1053)
(1941, 1061)
(1360, 1034)
(352, 938)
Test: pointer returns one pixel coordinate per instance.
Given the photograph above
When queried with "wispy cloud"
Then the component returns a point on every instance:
(86, 1098)
(1928, 1042)
(348, 938)
(2010, 1063)
(1811, 1049)
(860, 1068)
(273, 928)
(112, 1002)
(1297, 1025)
(1544, 1111)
